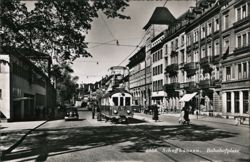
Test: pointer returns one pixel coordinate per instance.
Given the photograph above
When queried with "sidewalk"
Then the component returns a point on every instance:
(11, 134)
(192, 117)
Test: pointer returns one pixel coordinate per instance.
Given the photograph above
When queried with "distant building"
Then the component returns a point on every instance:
(25, 91)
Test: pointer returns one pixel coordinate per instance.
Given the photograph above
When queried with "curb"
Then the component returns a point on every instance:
(20, 141)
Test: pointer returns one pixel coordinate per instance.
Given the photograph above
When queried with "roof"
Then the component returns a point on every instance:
(161, 15)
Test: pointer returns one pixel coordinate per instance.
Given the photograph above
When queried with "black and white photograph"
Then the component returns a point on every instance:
(124, 80)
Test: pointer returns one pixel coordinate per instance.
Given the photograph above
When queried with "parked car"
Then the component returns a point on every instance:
(71, 114)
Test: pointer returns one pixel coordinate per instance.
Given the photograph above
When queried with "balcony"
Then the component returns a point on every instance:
(241, 50)
(188, 85)
(171, 69)
(174, 53)
(171, 87)
(204, 83)
(242, 22)
(205, 60)
(190, 66)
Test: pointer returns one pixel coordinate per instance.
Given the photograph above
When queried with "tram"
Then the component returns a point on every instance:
(116, 105)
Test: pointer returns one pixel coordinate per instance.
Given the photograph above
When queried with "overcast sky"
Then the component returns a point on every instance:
(127, 32)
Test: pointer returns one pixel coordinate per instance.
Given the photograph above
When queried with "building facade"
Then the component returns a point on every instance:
(25, 91)
(204, 52)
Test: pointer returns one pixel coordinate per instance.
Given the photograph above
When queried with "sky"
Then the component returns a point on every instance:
(127, 32)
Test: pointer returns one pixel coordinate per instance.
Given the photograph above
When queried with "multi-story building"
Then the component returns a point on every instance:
(137, 77)
(25, 91)
(235, 40)
(159, 21)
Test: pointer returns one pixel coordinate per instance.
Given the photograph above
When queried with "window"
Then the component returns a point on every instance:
(166, 47)
(121, 101)
(209, 50)
(176, 43)
(182, 40)
(0, 94)
(239, 71)
(226, 44)
(236, 102)
(203, 32)
(216, 48)
(239, 41)
(216, 24)
(226, 22)
(196, 34)
(244, 40)
(244, 12)
(182, 56)
(228, 73)
(127, 101)
(203, 52)
(228, 102)
(238, 14)
(115, 101)
(209, 29)
(244, 70)
(245, 102)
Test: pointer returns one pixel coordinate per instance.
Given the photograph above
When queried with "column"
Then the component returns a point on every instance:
(232, 102)
(241, 102)
(224, 102)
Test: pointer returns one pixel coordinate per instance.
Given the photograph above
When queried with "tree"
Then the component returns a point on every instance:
(54, 26)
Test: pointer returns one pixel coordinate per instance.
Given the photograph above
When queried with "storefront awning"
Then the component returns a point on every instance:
(187, 97)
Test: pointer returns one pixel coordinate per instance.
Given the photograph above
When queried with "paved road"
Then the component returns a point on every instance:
(89, 140)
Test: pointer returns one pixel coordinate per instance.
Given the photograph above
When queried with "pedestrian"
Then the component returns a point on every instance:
(155, 113)
(186, 113)
(197, 113)
(181, 118)
(93, 112)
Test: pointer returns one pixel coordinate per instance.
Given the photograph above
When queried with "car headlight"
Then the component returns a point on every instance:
(128, 111)
(115, 111)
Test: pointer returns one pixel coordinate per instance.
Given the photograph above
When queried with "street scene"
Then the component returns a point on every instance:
(125, 81)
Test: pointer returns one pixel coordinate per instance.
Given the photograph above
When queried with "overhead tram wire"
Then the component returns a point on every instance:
(106, 43)
(165, 3)
(133, 50)
(108, 28)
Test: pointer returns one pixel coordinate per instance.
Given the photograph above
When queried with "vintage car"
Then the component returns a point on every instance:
(71, 114)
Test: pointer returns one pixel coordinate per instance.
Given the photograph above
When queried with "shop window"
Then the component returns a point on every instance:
(245, 102)
(236, 102)
(229, 102)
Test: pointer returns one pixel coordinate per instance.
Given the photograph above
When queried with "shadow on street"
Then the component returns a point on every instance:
(49, 142)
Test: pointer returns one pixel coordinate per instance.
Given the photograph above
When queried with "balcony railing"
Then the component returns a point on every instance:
(242, 21)
(171, 87)
(173, 53)
(171, 69)
(190, 66)
(242, 49)
(205, 60)
(204, 83)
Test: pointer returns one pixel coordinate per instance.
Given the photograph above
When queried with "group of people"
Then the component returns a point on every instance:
(184, 115)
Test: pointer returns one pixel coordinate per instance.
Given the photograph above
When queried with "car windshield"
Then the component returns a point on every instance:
(71, 109)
